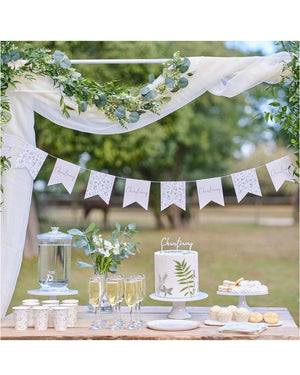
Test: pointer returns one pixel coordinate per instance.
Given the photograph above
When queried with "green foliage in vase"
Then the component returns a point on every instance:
(105, 255)
(185, 276)
(287, 114)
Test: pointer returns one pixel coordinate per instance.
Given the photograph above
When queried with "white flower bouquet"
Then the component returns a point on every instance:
(105, 254)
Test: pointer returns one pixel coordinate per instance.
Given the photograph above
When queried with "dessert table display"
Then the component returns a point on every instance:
(81, 331)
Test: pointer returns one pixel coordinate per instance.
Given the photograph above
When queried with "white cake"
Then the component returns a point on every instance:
(176, 273)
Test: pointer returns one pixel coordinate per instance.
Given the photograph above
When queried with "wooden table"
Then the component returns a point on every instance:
(288, 330)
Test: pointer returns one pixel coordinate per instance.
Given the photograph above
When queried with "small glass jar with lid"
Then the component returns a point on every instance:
(54, 260)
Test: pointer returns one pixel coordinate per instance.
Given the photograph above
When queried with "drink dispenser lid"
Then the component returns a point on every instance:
(54, 237)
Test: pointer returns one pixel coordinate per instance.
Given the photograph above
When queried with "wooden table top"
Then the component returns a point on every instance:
(288, 330)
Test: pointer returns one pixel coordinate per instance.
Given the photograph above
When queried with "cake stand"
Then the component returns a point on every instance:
(242, 297)
(179, 310)
(53, 292)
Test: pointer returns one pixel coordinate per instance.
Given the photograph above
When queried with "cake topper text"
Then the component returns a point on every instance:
(165, 241)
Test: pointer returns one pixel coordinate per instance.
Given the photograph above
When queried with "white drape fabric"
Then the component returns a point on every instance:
(222, 76)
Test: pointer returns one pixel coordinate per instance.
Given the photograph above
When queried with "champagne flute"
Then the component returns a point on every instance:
(96, 291)
(121, 297)
(141, 292)
(112, 291)
(130, 298)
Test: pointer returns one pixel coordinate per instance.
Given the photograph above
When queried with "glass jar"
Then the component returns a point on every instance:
(54, 259)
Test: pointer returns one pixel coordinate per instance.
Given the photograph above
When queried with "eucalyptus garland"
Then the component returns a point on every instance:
(118, 103)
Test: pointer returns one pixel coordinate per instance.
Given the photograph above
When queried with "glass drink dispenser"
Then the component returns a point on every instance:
(54, 260)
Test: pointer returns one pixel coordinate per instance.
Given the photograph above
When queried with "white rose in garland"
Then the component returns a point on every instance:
(105, 254)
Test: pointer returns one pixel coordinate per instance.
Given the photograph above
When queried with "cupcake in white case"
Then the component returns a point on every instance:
(241, 314)
(213, 312)
(232, 308)
(224, 315)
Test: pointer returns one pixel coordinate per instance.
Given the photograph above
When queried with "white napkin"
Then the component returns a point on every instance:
(243, 327)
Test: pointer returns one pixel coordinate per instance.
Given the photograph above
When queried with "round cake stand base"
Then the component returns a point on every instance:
(53, 293)
(179, 310)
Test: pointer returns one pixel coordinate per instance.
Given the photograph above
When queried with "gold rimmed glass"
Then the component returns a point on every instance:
(96, 292)
(130, 298)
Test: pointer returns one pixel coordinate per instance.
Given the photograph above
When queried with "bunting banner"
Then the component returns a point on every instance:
(210, 190)
(281, 170)
(100, 184)
(64, 173)
(172, 192)
(245, 182)
(136, 191)
(31, 158)
(7, 146)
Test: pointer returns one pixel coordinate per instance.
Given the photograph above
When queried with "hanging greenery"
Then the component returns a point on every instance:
(118, 103)
(287, 114)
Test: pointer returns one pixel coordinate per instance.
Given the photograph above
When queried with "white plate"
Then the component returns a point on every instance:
(279, 323)
(173, 325)
(210, 322)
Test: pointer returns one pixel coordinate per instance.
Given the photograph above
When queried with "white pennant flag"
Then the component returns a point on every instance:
(172, 193)
(136, 191)
(7, 145)
(100, 184)
(31, 158)
(210, 190)
(65, 173)
(245, 182)
(281, 170)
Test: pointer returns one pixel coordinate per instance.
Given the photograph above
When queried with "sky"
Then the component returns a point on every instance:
(266, 47)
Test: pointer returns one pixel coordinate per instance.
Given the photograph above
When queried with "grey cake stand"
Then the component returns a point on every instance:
(179, 309)
(242, 297)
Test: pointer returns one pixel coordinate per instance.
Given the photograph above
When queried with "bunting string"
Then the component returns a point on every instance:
(138, 190)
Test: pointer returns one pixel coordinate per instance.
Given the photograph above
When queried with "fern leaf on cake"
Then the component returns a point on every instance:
(185, 276)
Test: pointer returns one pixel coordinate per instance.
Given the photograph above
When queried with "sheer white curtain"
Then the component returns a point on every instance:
(223, 76)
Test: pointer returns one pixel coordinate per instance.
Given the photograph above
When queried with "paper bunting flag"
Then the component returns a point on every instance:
(281, 170)
(172, 193)
(100, 184)
(136, 191)
(31, 158)
(210, 190)
(65, 173)
(7, 145)
(245, 182)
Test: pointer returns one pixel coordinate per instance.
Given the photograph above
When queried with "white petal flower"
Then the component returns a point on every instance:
(116, 249)
(108, 245)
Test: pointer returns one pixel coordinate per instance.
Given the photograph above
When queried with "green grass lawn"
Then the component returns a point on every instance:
(226, 251)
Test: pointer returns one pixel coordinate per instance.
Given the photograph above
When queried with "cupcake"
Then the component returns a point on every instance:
(232, 308)
(224, 315)
(213, 312)
(241, 314)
